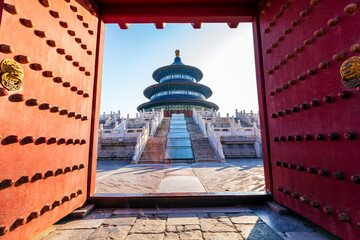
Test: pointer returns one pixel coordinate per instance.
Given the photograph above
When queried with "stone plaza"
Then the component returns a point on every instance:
(236, 175)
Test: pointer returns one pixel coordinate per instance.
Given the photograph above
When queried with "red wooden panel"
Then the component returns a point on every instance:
(185, 112)
(95, 117)
(262, 105)
(59, 38)
(285, 25)
(1, 7)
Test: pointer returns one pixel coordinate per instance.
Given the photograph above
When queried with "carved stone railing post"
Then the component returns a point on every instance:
(197, 116)
(156, 121)
(215, 142)
(142, 139)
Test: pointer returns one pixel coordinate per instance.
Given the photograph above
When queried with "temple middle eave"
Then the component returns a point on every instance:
(177, 69)
(156, 88)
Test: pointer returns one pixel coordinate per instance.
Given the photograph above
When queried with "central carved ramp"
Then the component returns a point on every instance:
(178, 145)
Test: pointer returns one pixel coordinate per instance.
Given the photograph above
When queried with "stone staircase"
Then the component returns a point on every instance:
(239, 151)
(154, 150)
(113, 149)
(203, 151)
(238, 147)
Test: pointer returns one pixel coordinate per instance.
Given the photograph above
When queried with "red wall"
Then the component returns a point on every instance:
(186, 113)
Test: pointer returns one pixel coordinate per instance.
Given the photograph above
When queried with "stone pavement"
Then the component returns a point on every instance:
(255, 223)
(236, 175)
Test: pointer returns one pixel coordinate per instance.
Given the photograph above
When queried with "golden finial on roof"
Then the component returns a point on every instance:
(177, 53)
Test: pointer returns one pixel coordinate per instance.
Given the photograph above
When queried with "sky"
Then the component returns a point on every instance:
(224, 55)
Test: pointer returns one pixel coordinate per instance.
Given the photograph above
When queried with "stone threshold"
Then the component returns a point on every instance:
(185, 199)
(129, 211)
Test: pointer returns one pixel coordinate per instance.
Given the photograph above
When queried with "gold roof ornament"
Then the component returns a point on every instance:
(177, 53)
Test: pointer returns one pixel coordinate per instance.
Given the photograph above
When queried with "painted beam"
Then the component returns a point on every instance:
(178, 14)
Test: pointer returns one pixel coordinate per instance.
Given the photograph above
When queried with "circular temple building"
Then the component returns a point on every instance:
(178, 90)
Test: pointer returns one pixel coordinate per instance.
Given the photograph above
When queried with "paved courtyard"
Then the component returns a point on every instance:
(227, 223)
(236, 223)
(236, 175)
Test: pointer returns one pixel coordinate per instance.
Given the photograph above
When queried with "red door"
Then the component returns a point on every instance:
(46, 118)
(313, 112)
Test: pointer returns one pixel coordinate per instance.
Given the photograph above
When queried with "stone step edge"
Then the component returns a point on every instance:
(82, 211)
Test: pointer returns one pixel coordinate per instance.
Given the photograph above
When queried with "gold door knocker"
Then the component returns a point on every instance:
(350, 72)
(11, 74)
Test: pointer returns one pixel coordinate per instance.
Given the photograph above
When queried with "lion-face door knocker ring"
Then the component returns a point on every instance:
(11, 75)
(350, 72)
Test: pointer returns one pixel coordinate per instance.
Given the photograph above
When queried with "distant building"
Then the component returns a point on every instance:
(178, 90)
(210, 137)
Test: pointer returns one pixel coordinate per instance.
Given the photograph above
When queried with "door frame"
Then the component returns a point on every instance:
(194, 15)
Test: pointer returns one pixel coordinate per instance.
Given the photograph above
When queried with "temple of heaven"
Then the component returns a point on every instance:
(177, 90)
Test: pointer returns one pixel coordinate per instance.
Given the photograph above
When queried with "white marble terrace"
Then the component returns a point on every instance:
(116, 130)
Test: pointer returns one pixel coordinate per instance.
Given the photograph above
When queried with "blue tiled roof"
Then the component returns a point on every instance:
(174, 77)
(177, 61)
